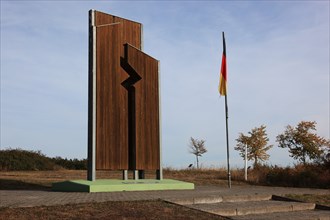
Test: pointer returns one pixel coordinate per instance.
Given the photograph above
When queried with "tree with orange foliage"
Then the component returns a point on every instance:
(257, 145)
(302, 141)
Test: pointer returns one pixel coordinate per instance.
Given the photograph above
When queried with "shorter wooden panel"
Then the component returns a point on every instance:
(146, 115)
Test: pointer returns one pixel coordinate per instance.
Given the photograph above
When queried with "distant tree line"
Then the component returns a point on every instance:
(18, 159)
(302, 142)
(70, 164)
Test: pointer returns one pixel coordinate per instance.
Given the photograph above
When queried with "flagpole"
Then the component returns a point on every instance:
(223, 92)
(227, 140)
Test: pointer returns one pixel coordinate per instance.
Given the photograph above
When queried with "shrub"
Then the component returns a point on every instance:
(309, 175)
(18, 159)
(71, 164)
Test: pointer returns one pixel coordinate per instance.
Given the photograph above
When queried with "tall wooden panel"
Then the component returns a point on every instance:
(111, 111)
(131, 30)
(123, 97)
(111, 99)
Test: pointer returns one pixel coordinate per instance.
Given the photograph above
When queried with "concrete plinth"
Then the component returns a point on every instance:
(111, 185)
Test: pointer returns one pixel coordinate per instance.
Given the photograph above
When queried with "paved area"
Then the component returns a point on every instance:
(30, 198)
(302, 215)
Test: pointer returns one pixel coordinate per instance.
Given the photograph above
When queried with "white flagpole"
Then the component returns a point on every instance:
(245, 167)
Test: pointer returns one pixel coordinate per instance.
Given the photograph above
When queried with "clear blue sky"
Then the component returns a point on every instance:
(278, 70)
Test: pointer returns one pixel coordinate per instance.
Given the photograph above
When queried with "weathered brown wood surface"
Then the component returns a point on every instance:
(111, 116)
(146, 108)
(114, 147)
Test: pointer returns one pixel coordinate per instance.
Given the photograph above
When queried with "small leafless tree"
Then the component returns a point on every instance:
(197, 147)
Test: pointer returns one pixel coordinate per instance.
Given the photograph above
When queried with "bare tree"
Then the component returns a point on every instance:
(197, 148)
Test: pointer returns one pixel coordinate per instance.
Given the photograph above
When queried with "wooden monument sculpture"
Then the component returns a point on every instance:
(123, 99)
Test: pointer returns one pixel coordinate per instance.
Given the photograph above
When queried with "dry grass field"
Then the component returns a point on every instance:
(44, 179)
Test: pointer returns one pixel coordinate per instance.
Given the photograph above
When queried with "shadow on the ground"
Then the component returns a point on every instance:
(7, 184)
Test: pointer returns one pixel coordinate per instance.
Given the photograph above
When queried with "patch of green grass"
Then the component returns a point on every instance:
(318, 199)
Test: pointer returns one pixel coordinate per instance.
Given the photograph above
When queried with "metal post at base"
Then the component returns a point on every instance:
(159, 174)
(135, 174)
(125, 175)
(141, 174)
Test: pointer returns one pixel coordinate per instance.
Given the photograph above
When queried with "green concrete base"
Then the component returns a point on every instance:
(111, 185)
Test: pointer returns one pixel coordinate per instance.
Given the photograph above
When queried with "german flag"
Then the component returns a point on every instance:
(223, 72)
